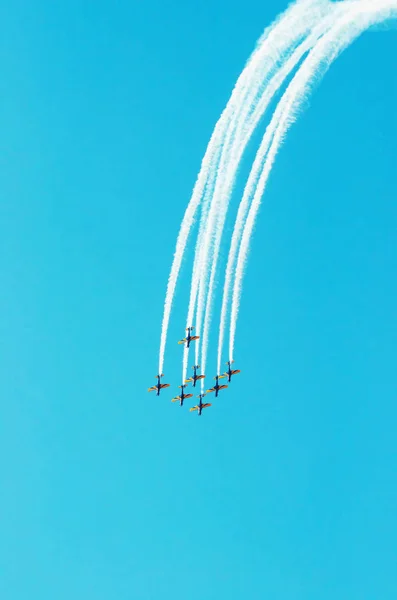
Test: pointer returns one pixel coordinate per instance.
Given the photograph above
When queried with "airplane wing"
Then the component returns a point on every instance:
(222, 387)
(236, 371)
(200, 376)
(206, 405)
(188, 396)
(182, 341)
(189, 380)
(164, 385)
(194, 337)
(177, 399)
(211, 390)
(223, 376)
(193, 408)
(152, 389)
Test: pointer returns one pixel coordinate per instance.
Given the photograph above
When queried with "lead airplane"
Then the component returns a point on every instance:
(195, 377)
(231, 371)
(182, 396)
(189, 338)
(200, 405)
(217, 387)
(159, 386)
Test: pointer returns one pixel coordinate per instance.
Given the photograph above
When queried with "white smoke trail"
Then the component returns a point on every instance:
(212, 151)
(215, 143)
(360, 15)
(246, 91)
(243, 105)
(280, 77)
(326, 19)
(276, 50)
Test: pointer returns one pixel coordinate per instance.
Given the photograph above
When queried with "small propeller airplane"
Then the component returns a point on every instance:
(182, 396)
(189, 338)
(200, 405)
(195, 377)
(230, 371)
(159, 386)
(217, 387)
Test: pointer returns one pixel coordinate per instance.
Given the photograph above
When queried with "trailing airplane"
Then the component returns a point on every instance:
(189, 338)
(231, 371)
(182, 396)
(195, 377)
(200, 405)
(159, 386)
(217, 387)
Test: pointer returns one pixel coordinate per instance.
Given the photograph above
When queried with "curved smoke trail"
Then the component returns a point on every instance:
(213, 147)
(274, 86)
(310, 33)
(276, 52)
(360, 15)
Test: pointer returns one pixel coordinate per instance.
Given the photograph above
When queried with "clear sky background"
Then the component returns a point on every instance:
(286, 488)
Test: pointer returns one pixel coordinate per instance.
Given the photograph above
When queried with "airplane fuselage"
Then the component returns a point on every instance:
(195, 376)
(200, 405)
(182, 396)
(159, 386)
(189, 338)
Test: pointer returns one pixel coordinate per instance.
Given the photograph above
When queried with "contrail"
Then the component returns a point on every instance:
(263, 60)
(203, 177)
(206, 202)
(213, 147)
(329, 17)
(318, 27)
(231, 127)
(277, 49)
(360, 15)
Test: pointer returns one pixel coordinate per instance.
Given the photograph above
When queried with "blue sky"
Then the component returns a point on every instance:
(286, 487)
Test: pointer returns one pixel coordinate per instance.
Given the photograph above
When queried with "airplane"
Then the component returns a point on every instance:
(231, 371)
(182, 396)
(189, 338)
(159, 386)
(200, 405)
(195, 377)
(217, 387)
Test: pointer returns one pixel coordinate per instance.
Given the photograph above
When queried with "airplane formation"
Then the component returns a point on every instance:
(182, 396)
